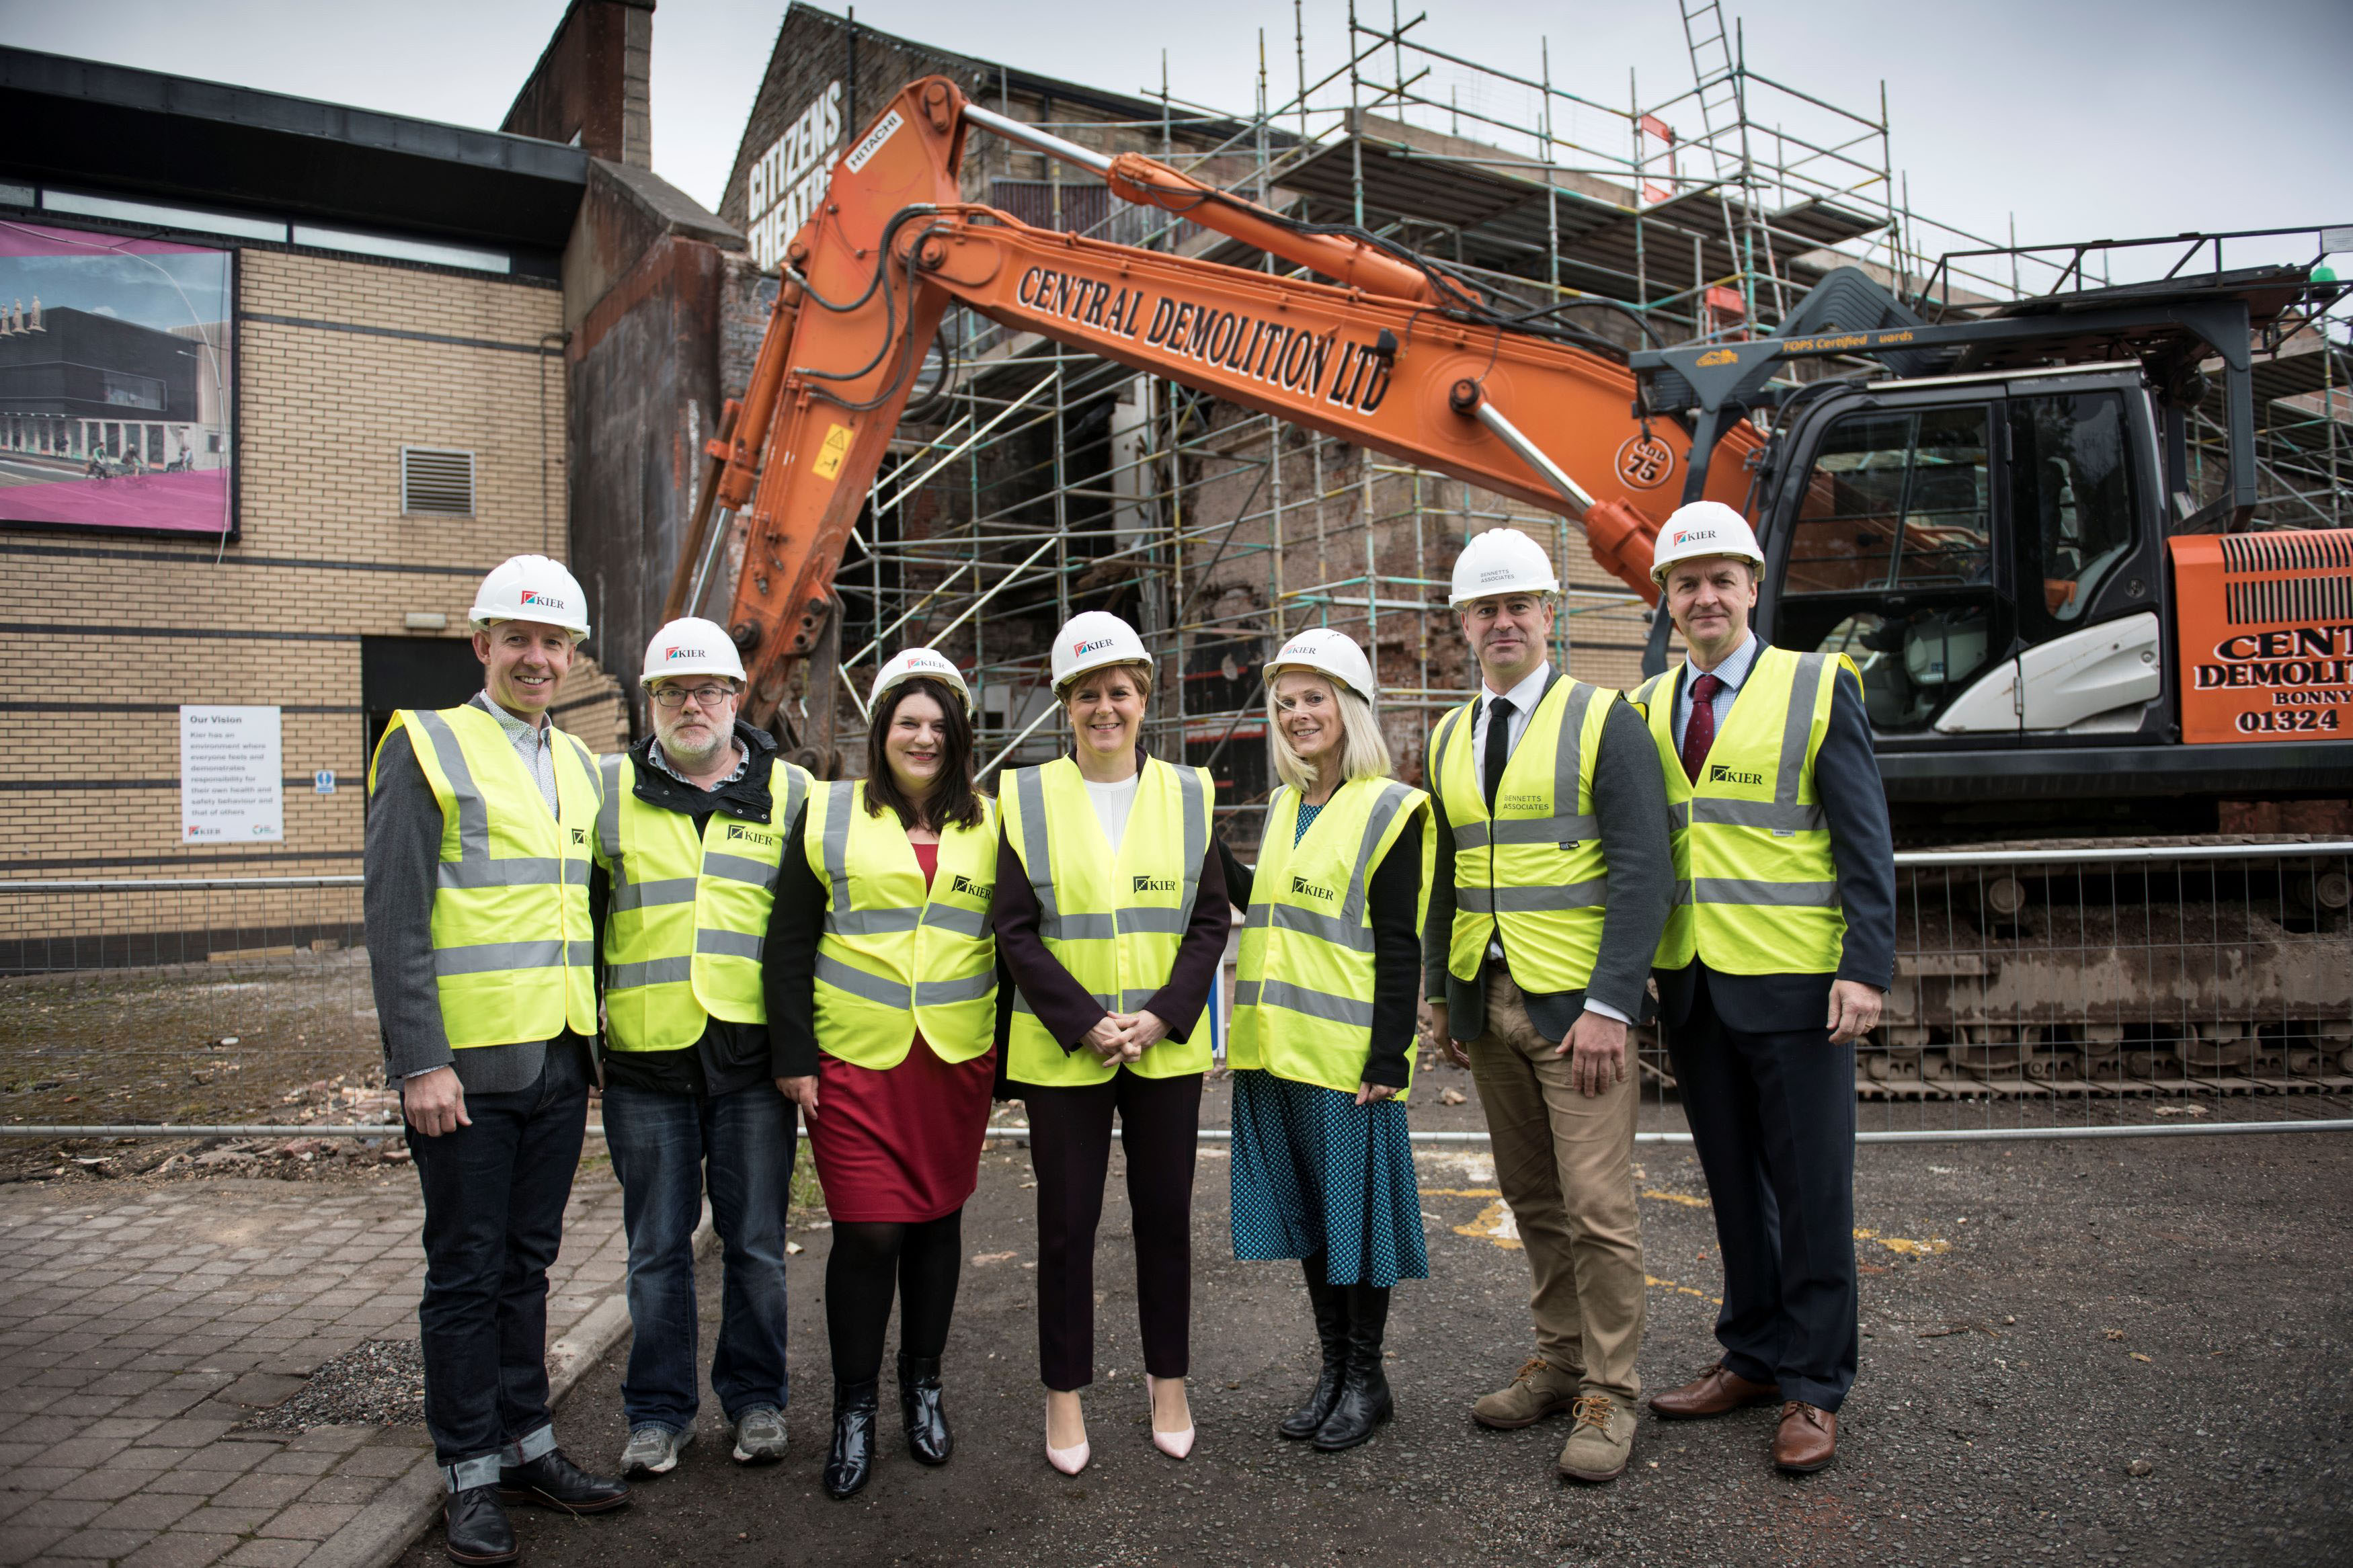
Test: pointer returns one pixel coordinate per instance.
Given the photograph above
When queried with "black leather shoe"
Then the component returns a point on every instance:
(1331, 1304)
(850, 1465)
(1364, 1403)
(476, 1528)
(928, 1437)
(554, 1482)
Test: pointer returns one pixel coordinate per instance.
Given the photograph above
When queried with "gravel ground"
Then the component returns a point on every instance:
(2107, 1353)
(379, 1381)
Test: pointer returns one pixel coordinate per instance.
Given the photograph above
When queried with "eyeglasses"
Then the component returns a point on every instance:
(705, 696)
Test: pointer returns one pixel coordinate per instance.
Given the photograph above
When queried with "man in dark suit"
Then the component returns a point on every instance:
(1777, 961)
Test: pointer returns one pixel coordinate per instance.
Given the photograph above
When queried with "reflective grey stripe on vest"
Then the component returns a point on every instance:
(1643, 693)
(795, 791)
(473, 811)
(1146, 919)
(1029, 800)
(1682, 893)
(1299, 999)
(1766, 814)
(1132, 1002)
(675, 971)
(493, 957)
(608, 814)
(840, 797)
(1778, 895)
(661, 891)
(760, 874)
(719, 944)
(1533, 901)
(1354, 936)
(1196, 840)
(523, 871)
(954, 918)
(1797, 729)
(1566, 825)
(871, 922)
(1678, 815)
(892, 993)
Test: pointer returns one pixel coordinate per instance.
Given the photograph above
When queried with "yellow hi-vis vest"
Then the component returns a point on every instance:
(1114, 922)
(514, 945)
(1756, 888)
(689, 913)
(896, 959)
(1535, 874)
(1304, 982)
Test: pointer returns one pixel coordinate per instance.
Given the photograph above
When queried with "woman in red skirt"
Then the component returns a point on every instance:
(881, 987)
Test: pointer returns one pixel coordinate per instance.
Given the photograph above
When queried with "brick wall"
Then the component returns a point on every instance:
(102, 637)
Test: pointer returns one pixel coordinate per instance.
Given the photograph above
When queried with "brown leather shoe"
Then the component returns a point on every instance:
(1807, 1439)
(1712, 1392)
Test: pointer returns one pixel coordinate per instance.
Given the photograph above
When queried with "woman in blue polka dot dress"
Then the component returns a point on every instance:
(1325, 1005)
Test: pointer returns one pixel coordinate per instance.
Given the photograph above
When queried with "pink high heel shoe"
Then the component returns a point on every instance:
(1071, 1460)
(1176, 1445)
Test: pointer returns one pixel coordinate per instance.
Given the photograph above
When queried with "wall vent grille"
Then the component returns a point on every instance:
(436, 482)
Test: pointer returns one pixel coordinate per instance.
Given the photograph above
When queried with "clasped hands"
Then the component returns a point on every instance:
(1124, 1038)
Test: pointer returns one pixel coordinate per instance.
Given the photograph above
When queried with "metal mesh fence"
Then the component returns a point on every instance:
(2091, 985)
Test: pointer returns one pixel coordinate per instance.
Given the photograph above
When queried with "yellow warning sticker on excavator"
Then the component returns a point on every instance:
(831, 451)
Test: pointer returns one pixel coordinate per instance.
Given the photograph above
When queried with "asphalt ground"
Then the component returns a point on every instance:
(2121, 1351)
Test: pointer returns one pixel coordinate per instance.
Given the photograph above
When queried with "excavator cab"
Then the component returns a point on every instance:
(1988, 551)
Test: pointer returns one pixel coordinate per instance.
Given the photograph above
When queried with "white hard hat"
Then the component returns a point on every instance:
(692, 647)
(1704, 527)
(532, 588)
(1328, 653)
(1502, 560)
(914, 661)
(1092, 640)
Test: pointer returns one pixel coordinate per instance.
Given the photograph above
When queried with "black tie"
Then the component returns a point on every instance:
(1499, 746)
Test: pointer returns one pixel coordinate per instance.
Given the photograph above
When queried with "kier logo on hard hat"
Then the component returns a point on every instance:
(678, 652)
(1080, 650)
(1692, 536)
(533, 599)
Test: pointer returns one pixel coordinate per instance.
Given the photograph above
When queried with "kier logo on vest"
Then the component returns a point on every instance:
(1719, 773)
(963, 884)
(1301, 884)
(1155, 885)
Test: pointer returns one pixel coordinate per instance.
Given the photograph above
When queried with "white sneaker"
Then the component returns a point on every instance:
(652, 1449)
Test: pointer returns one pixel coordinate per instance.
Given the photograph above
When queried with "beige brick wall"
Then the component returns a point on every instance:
(324, 557)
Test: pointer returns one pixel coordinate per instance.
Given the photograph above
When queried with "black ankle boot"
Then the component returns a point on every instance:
(852, 1463)
(928, 1437)
(1330, 1302)
(1364, 1403)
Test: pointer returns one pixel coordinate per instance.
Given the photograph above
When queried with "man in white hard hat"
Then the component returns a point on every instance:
(690, 840)
(1552, 886)
(481, 945)
(1773, 965)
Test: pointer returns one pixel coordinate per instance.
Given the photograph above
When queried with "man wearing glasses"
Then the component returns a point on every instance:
(693, 828)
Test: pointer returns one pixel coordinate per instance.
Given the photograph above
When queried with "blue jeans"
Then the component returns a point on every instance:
(494, 1196)
(664, 1148)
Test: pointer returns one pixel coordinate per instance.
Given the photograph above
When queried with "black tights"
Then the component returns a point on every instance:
(873, 1258)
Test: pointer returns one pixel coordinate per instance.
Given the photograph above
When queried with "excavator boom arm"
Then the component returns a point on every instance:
(1378, 359)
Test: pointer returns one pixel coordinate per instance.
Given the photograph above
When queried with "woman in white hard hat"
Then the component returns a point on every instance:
(1112, 920)
(882, 983)
(1326, 996)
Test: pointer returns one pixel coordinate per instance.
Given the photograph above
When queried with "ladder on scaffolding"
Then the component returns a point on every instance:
(1713, 69)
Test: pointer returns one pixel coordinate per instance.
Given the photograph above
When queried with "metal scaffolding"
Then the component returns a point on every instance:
(1030, 482)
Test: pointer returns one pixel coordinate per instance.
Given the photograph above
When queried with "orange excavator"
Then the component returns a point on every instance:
(1996, 518)
(1395, 354)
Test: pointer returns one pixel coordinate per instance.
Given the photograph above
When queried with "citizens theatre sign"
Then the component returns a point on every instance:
(786, 180)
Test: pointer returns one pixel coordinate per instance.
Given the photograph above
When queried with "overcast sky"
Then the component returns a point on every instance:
(2083, 118)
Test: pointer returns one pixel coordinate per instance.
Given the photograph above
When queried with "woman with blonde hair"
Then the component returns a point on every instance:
(1111, 917)
(1326, 996)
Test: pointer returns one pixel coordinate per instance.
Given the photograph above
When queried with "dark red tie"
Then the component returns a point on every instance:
(1699, 730)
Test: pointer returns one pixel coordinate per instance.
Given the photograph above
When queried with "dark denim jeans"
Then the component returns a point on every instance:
(494, 1196)
(665, 1147)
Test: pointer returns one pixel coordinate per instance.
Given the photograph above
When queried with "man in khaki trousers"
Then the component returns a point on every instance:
(1554, 882)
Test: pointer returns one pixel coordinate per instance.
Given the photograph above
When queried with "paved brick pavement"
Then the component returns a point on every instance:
(139, 1324)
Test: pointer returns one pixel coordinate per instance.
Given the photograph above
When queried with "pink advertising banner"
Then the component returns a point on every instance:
(117, 382)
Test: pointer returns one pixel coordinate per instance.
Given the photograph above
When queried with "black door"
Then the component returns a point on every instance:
(414, 672)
